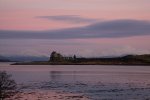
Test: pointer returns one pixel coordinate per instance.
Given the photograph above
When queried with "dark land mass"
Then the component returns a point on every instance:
(58, 59)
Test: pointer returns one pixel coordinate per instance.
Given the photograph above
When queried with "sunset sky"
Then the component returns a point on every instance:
(88, 28)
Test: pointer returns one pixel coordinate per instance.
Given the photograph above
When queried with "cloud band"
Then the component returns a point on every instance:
(107, 29)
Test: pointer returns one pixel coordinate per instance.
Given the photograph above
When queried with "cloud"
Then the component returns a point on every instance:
(69, 18)
(106, 29)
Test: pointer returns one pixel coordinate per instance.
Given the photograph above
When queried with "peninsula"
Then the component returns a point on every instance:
(59, 59)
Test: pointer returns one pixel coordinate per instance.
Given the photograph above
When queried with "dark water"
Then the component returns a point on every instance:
(96, 81)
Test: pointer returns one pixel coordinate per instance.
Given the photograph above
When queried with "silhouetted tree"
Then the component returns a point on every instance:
(74, 57)
(52, 56)
(7, 86)
(56, 57)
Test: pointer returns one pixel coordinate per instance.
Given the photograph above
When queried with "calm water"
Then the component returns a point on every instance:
(93, 80)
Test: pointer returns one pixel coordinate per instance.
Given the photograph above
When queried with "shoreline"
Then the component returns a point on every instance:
(116, 91)
(84, 63)
(47, 95)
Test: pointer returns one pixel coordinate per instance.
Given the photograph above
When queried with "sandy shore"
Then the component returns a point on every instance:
(47, 95)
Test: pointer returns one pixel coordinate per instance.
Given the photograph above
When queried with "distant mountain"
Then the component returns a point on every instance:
(4, 59)
(24, 58)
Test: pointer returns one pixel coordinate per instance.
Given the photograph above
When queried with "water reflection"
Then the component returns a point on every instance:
(55, 76)
(98, 84)
(63, 76)
(96, 76)
(95, 81)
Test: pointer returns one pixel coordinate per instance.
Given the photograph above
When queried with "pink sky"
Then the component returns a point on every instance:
(20, 14)
(23, 15)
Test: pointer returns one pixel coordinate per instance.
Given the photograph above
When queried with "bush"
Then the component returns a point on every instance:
(8, 86)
